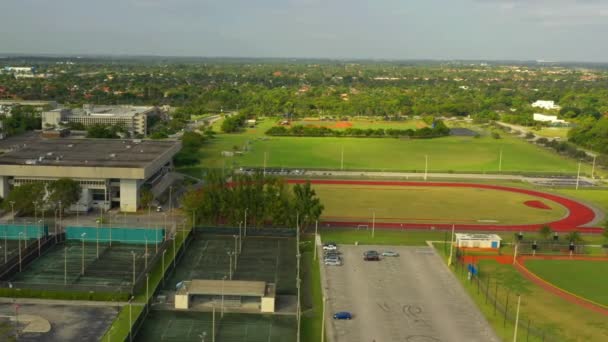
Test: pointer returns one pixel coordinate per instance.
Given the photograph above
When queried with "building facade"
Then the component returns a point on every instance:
(132, 118)
(111, 172)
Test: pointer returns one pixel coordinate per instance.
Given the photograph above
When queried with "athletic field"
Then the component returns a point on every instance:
(362, 124)
(584, 278)
(424, 204)
(458, 154)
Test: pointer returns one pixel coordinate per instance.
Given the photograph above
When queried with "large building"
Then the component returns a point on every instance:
(545, 105)
(111, 172)
(133, 118)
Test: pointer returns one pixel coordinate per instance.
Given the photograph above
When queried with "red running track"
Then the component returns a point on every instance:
(578, 213)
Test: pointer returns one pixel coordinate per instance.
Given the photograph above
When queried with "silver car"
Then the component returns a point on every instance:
(333, 262)
(390, 254)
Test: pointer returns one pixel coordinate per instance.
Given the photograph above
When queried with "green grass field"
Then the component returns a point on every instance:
(553, 132)
(458, 154)
(583, 278)
(431, 204)
(558, 318)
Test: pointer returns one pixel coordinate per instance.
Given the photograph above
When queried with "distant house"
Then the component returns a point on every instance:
(545, 104)
(548, 118)
(251, 123)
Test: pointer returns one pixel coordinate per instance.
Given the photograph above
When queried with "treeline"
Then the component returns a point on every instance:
(439, 129)
(263, 200)
(592, 134)
(21, 119)
(233, 123)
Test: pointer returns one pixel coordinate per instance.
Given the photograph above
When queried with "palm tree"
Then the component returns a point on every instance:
(545, 231)
(307, 204)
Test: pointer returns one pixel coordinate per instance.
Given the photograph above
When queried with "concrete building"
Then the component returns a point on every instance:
(21, 72)
(545, 104)
(549, 118)
(6, 106)
(111, 172)
(491, 241)
(238, 295)
(133, 118)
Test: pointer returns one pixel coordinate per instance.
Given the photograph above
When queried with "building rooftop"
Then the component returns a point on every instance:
(227, 287)
(91, 110)
(34, 150)
(466, 236)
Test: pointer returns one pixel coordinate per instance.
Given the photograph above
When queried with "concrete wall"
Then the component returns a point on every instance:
(182, 301)
(4, 186)
(129, 195)
(267, 304)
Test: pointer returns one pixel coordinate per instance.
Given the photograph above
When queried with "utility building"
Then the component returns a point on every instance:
(110, 171)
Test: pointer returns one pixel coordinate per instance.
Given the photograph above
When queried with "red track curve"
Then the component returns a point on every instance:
(578, 213)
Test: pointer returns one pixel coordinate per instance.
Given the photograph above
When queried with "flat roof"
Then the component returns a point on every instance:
(34, 150)
(466, 236)
(227, 287)
(105, 111)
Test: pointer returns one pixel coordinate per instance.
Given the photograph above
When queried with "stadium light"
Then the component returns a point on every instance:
(426, 166)
(133, 254)
(516, 319)
(65, 266)
(245, 222)
(82, 236)
(19, 238)
(315, 244)
(593, 167)
(222, 307)
(146, 253)
(130, 320)
(323, 320)
(578, 174)
(163, 264)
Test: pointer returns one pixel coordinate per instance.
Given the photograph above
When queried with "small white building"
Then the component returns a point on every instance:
(491, 241)
(548, 118)
(545, 104)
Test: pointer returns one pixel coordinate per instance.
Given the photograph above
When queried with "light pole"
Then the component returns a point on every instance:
(578, 174)
(516, 319)
(222, 308)
(133, 254)
(21, 233)
(230, 265)
(500, 161)
(323, 320)
(245, 222)
(130, 320)
(593, 168)
(5, 248)
(342, 159)
(174, 238)
(65, 266)
(146, 253)
(451, 246)
(373, 224)
(147, 290)
(163, 264)
(35, 211)
(426, 166)
(315, 243)
(13, 210)
(236, 251)
(97, 238)
(240, 237)
(82, 236)
(298, 308)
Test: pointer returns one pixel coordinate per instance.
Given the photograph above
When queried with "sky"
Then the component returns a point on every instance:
(551, 30)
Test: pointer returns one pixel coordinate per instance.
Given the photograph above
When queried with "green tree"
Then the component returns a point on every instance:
(65, 190)
(306, 204)
(545, 231)
(23, 198)
(145, 198)
(574, 236)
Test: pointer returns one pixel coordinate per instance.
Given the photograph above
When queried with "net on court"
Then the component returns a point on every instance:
(196, 326)
(261, 259)
(107, 268)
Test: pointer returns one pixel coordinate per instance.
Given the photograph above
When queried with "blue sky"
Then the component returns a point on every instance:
(556, 30)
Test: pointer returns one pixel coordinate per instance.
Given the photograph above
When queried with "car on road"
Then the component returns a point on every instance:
(343, 315)
(390, 254)
(330, 246)
(371, 256)
(333, 262)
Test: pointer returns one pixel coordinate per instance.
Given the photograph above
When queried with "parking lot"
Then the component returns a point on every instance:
(412, 297)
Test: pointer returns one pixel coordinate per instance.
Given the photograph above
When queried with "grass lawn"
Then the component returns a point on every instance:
(560, 319)
(583, 278)
(432, 204)
(459, 154)
(312, 296)
(553, 132)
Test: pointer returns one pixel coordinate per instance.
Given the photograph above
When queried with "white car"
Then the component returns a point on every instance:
(330, 246)
(333, 262)
(390, 254)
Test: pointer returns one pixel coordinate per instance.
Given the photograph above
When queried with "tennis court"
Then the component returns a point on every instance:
(10, 248)
(197, 326)
(106, 267)
(261, 258)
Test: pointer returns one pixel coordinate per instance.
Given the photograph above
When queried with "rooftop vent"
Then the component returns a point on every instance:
(71, 145)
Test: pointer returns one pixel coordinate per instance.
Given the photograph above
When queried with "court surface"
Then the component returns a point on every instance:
(412, 298)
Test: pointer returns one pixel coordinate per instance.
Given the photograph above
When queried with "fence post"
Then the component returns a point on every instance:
(496, 297)
(487, 289)
(504, 324)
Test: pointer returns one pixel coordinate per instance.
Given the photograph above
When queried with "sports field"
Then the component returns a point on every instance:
(458, 154)
(362, 124)
(424, 204)
(10, 248)
(111, 272)
(192, 326)
(584, 278)
(266, 259)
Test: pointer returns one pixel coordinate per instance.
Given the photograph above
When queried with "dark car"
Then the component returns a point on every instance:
(371, 256)
(343, 315)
